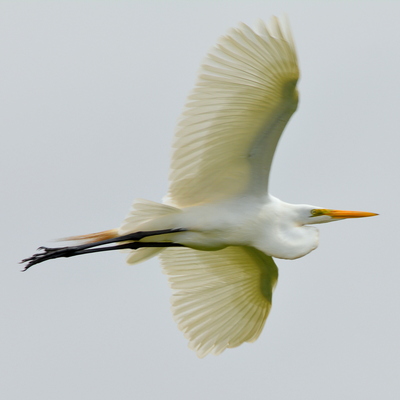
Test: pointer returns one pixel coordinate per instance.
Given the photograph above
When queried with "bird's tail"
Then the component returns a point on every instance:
(142, 212)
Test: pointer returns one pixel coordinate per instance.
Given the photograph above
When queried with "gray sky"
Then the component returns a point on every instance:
(90, 92)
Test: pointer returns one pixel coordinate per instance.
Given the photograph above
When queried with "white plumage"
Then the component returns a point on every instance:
(231, 227)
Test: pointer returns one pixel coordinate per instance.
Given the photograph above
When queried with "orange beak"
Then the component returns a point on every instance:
(340, 214)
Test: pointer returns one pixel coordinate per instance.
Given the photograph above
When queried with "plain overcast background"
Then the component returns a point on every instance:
(90, 92)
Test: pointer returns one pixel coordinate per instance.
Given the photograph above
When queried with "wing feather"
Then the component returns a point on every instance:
(220, 298)
(228, 132)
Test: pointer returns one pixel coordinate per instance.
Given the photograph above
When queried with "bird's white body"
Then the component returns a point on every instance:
(269, 225)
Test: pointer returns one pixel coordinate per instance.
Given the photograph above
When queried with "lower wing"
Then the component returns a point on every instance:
(220, 298)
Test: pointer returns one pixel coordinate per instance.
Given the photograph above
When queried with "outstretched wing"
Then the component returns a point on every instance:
(220, 298)
(228, 132)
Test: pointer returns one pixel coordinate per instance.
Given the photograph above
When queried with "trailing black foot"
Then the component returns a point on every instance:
(130, 242)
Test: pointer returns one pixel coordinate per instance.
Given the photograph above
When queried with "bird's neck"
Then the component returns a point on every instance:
(281, 236)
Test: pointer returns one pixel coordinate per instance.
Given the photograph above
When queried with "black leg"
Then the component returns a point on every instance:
(48, 253)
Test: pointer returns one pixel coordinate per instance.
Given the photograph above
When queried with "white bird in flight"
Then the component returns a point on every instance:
(218, 228)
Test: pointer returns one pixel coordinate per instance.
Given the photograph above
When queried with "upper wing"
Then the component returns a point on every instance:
(220, 298)
(228, 132)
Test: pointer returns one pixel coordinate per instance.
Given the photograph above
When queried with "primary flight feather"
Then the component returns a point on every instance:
(218, 227)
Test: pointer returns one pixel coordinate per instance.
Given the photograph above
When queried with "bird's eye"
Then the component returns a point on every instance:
(316, 212)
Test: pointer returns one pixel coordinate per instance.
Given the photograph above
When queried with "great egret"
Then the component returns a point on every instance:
(218, 227)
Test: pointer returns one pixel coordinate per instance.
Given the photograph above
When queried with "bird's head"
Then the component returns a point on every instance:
(288, 232)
